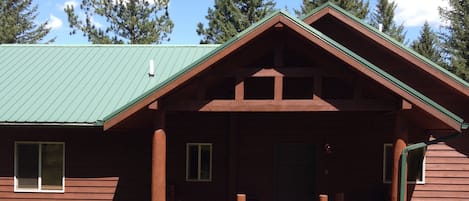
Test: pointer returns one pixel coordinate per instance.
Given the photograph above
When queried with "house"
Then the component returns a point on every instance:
(289, 109)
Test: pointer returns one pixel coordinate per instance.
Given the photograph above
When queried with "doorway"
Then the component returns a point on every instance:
(295, 173)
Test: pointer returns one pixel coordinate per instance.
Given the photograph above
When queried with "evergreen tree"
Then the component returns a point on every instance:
(427, 44)
(17, 22)
(128, 21)
(384, 15)
(229, 17)
(359, 8)
(456, 37)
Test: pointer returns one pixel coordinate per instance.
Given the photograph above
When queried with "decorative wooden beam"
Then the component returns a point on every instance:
(405, 105)
(279, 105)
(239, 91)
(278, 88)
(267, 72)
(153, 105)
(279, 26)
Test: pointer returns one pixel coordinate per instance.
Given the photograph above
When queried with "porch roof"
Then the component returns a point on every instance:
(283, 17)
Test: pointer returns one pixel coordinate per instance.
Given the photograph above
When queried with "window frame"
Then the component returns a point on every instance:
(199, 162)
(388, 180)
(38, 189)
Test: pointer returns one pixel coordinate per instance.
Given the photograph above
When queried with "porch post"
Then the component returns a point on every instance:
(158, 180)
(401, 132)
(158, 170)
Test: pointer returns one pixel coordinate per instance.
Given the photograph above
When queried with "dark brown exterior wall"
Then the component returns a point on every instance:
(98, 166)
(394, 65)
(354, 167)
(185, 128)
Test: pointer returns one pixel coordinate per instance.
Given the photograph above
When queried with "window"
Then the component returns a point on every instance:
(199, 162)
(415, 165)
(39, 167)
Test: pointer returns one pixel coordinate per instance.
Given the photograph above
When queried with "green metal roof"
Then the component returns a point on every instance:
(82, 84)
(389, 39)
(92, 84)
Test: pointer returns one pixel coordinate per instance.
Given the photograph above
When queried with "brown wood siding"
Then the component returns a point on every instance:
(447, 172)
(185, 128)
(98, 166)
(357, 140)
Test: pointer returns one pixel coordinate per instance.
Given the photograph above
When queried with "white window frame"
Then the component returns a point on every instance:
(16, 189)
(386, 145)
(199, 162)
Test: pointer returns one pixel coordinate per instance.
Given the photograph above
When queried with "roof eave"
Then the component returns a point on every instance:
(67, 124)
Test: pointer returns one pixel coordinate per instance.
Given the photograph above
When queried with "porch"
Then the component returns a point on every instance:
(280, 156)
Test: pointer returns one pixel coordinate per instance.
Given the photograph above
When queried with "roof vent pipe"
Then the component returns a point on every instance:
(380, 27)
(151, 70)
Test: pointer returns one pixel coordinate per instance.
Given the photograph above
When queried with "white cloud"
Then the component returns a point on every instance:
(71, 3)
(54, 22)
(415, 12)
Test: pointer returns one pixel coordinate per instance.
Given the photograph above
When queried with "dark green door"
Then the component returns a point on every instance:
(294, 172)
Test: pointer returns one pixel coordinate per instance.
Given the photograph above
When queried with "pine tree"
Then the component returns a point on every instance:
(456, 37)
(229, 17)
(427, 44)
(17, 22)
(384, 15)
(359, 8)
(128, 21)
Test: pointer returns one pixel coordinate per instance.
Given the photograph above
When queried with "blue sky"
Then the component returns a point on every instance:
(187, 13)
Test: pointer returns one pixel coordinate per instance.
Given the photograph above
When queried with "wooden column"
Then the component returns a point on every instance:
(240, 197)
(323, 197)
(401, 133)
(158, 180)
(158, 176)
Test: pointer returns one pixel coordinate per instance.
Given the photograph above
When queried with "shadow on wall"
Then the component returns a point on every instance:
(460, 144)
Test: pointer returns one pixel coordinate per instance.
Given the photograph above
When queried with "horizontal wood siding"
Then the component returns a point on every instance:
(98, 166)
(447, 172)
(357, 141)
(185, 128)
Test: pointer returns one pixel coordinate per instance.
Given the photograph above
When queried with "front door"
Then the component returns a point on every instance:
(294, 172)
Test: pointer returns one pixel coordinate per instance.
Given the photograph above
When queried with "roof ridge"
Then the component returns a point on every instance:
(317, 9)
